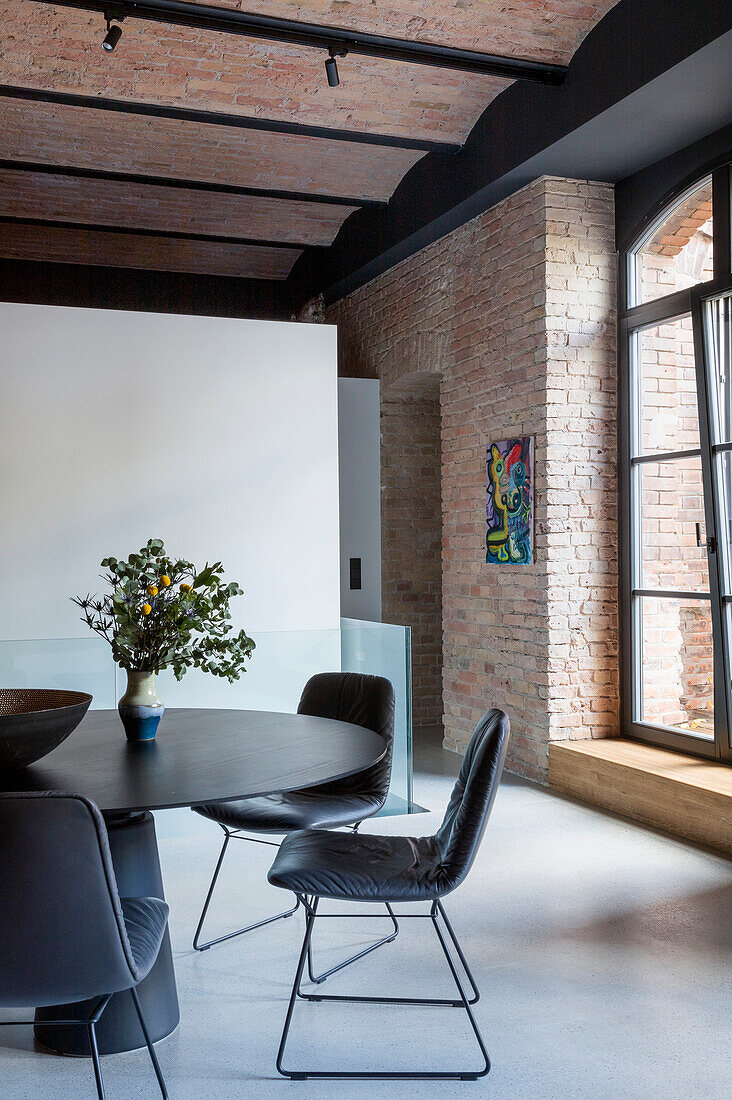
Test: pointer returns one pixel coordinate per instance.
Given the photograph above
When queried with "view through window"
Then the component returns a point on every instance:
(679, 469)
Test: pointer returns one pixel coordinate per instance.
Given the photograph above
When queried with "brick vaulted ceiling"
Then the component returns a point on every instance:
(84, 181)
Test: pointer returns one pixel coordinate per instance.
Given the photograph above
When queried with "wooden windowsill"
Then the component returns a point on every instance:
(683, 795)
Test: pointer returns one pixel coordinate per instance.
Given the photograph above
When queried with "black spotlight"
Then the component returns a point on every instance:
(331, 66)
(112, 37)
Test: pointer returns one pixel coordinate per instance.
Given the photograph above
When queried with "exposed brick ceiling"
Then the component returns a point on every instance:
(142, 206)
(61, 245)
(78, 137)
(44, 47)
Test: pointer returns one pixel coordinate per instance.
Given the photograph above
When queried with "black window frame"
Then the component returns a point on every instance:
(632, 319)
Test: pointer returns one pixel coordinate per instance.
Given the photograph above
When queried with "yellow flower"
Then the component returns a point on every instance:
(165, 580)
(186, 587)
(146, 609)
(152, 590)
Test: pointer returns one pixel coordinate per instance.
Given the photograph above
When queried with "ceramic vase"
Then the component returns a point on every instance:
(140, 708)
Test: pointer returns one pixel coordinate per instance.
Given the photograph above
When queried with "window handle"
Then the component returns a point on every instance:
(710, 543)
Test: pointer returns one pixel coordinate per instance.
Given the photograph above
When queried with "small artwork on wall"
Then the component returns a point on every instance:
(510, 501)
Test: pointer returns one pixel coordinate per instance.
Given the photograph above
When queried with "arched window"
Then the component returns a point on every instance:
(677, 250)
(676, 460)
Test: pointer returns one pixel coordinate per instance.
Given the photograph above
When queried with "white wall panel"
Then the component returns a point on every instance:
(219, 436)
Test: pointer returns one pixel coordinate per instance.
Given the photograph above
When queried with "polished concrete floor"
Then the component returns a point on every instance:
(602, 951)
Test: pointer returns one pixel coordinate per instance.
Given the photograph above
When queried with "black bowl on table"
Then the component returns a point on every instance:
(34, 721)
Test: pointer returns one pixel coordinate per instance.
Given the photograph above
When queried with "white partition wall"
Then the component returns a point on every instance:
(219, 436)
(360, 491)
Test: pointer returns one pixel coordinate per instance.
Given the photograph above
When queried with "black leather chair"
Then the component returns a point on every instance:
(348, 697)
(67, 936)
(387, 869)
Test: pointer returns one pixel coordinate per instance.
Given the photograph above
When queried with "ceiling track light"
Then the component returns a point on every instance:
(114, 32)
(331, 66)
(229, 20)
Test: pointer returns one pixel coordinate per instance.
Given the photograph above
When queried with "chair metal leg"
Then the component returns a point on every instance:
(436, 912)
(148, 1043)
(240, 931)
(92, 1031)
(469, 974)
(439, 1002)
(317, 979)
(309, 922)
(463, 997)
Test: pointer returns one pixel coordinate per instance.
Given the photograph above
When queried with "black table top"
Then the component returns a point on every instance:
(199, 756)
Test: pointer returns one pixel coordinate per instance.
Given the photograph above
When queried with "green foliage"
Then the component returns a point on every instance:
(163, 613)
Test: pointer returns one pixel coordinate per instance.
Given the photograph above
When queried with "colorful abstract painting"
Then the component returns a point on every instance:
(509, 510)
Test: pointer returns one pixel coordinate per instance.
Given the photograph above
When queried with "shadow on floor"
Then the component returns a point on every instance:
(700, 922)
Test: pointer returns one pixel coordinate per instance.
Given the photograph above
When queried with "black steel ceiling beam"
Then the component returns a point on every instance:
(338, 39)
(139, 231)
(218, 118)
(183, 185)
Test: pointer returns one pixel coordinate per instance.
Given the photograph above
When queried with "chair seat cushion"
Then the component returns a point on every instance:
(287, 811)
(145, 922)
(359, 867)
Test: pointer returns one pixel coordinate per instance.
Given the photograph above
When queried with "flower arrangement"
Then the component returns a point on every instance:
(163, 613)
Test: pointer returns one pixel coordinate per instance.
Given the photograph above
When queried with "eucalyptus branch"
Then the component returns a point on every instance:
(164, 613)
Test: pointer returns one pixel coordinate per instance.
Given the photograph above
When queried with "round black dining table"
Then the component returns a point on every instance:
(198, 756)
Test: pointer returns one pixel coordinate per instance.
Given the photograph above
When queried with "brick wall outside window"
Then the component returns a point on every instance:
(677, 648)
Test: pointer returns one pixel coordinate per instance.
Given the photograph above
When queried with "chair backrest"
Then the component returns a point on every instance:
(62, 933)
(364, 701)
(469, 808)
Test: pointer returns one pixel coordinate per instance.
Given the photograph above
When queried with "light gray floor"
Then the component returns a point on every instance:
(599, 948)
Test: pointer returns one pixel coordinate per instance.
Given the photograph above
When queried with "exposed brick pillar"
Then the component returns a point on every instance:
(581, 468)
(515, 312)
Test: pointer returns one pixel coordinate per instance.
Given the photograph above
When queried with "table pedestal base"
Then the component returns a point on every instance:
(134, 850)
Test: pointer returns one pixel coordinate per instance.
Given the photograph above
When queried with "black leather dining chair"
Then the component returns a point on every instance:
(348, 697)
(66, 934)
(366, 868)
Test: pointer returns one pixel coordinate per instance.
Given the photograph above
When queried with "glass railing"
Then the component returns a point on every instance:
(382, 649)
(281, 664)
(70, 664)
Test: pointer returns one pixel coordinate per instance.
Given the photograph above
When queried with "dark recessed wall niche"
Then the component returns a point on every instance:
(153, 291)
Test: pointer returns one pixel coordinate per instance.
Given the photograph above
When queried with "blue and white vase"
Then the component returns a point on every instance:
(140, 708)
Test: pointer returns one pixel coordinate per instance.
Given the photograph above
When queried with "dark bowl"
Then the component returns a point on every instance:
(34, 721)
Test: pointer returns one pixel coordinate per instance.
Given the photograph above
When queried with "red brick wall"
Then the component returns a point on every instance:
(515, 313)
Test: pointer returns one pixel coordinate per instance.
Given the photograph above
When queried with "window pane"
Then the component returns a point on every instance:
(718, 341)
(677, 664)
(723, 465)
(669, 417)
(678, 252)
(671, 506)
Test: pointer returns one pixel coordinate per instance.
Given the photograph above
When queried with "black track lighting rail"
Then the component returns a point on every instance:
(218, 118)
(183, 184)
(270, 28)
(166, 234)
